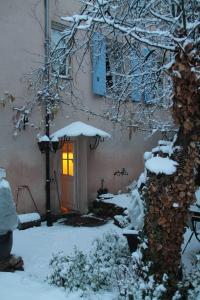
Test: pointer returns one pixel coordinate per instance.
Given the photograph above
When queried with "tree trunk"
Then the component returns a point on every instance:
(168, 197)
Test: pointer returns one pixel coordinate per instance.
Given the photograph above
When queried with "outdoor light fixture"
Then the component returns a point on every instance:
(53, 145)
(56, 144)
(43, 145)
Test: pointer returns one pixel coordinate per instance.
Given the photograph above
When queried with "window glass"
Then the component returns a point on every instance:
(70, 155)
(71, 168)
(64, 155)
(59, 65)
(68, 159)
(64, 167)
(117, 66)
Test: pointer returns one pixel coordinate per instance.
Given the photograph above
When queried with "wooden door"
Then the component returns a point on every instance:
(68, 177)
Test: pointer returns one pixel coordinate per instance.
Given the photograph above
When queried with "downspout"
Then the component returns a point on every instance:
(47, 119)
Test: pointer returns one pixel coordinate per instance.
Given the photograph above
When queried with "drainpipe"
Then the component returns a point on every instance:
(47, 119)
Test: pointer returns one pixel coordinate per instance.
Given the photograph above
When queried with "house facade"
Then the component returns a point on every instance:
(92, 150)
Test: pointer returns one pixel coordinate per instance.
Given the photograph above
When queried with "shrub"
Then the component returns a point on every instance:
(189, 288)
(69, 271)
(94, 271)
(135, 282)
(109, 264)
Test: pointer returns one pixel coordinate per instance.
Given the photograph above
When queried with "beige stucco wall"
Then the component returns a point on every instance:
(21, 51)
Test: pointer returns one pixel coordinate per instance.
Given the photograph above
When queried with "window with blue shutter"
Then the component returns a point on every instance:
(99, 64)
(115, 68)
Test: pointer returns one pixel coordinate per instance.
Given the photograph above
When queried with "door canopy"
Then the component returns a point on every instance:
(76, 129)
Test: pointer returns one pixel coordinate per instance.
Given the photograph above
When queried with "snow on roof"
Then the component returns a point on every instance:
(43, 138)
(162, 165)
(77, 129)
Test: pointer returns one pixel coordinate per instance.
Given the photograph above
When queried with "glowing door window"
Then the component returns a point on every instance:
(68, 159)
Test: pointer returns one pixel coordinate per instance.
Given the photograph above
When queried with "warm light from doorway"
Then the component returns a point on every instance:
(68, 161)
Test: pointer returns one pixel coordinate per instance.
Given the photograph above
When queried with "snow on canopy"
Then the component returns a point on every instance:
(77, 129)
(161, 165)
(43, 138)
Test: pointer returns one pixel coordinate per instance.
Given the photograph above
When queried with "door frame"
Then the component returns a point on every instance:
(75, 169)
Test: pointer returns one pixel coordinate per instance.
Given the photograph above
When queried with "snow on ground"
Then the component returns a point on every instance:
(121, 200)
(36, 246)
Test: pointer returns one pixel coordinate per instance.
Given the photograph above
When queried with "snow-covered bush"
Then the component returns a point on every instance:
(94, 271)
(136, 210)
(107, 256)
(69, 271)
(122, 221)
(190, 287)
(134, 281)
(108, 265)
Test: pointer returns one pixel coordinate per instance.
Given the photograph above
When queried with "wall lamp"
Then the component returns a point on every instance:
(44, 143)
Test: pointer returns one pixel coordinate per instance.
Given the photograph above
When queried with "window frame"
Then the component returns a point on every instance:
(102, 65)
(59, 27)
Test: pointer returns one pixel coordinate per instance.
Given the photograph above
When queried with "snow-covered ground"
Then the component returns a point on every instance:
(121, 200)
(36, 246)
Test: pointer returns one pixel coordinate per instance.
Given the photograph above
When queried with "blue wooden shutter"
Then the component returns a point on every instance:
(99, 64)
(137, 78)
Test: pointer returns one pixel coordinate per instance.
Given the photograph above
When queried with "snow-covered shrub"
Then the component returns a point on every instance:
(190, 287)
(122, 221)
(108, 265)
(136, 210)
(69, 271)
(94, 271)
(107, 256)
(134, 281)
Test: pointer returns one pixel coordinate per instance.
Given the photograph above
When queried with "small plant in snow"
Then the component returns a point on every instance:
(189, 288)
(194, 281)
(95, 271)
(109, 264)
(134, 281)
(69, 271)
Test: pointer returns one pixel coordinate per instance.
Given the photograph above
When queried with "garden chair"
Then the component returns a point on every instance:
(194, 224)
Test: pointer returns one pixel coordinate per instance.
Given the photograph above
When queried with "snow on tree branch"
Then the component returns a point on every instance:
(140, 39)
